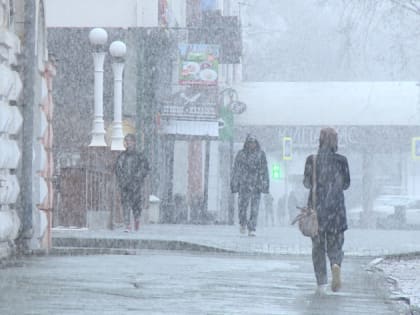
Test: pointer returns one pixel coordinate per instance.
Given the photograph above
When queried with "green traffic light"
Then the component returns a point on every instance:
(276, 172)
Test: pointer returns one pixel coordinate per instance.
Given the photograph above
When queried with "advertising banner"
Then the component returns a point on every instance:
(198, 64)
(192, 103)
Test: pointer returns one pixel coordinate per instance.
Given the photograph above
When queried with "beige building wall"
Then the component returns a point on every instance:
(102, 13)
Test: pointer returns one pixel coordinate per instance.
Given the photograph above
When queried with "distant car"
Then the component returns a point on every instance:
(390, 211)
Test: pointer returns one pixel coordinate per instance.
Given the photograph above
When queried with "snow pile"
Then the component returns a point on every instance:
(407, 274)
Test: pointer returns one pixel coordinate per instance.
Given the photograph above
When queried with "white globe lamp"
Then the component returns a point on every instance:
(98, 36)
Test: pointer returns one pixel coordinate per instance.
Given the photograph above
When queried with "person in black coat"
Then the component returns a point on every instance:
(131, 168)
(332, 178)
(250, 179)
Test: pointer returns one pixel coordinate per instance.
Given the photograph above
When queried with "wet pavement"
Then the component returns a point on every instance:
(168, 282)
(198, 269)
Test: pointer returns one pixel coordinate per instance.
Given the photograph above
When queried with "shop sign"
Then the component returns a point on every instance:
(198, 64)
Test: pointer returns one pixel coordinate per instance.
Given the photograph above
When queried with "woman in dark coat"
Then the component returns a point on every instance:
(250, 179)
(332, 178)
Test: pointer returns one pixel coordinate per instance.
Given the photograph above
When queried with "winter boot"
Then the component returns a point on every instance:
(251, 233)
(336, 278)
(136, 224)
(321, 290)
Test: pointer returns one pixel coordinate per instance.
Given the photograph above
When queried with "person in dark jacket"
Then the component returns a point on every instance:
(131, 169)
(249, 180)
(332, 178)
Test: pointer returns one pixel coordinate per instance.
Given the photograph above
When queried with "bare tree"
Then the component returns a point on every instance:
(363, 23)
(410, 5)
(373, 40)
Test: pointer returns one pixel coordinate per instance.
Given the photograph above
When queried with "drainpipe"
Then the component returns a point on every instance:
(29, 65)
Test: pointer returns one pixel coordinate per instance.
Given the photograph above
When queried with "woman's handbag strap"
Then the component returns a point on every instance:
(314, 182)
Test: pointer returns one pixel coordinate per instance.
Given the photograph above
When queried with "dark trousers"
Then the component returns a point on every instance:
(131, 201)
(244, 199)
(330, 244)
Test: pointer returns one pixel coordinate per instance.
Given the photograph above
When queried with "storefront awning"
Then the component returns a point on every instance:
(190, 128)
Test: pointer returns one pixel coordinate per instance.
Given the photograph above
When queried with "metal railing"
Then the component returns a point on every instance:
(83, 193)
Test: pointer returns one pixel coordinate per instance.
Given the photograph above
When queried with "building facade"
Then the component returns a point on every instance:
(153, 32)
(25, 128)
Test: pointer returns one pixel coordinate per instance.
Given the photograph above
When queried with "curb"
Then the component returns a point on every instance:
(120, 246)
(102, 246)
(409, 255)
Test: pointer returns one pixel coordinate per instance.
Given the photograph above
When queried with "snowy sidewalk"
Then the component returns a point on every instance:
(181, 283)
(403, 275)
(402, 280)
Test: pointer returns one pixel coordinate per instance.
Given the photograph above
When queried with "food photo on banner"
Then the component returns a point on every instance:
(198, 64)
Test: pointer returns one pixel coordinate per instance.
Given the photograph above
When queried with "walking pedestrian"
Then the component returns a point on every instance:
(332, 178)
(250, 179)
(131, 169)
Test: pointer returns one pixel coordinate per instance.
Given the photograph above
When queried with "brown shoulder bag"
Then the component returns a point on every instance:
(307, 218)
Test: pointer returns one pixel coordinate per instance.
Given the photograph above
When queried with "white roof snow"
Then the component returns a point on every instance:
(329, 103)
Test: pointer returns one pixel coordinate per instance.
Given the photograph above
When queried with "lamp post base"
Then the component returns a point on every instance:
(98, 140)
(117, 138)
(117, 144)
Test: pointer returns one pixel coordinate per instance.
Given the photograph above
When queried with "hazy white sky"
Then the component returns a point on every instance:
(309, 40)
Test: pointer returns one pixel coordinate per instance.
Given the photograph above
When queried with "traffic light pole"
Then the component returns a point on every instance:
(231, 200)
(286, 191)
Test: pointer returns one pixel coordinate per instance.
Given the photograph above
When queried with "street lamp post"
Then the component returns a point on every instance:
(98, 38)
(118, 50)
(228, 100)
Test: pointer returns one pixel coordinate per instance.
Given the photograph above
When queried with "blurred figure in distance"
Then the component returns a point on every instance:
(250, 179)
(131, 169)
